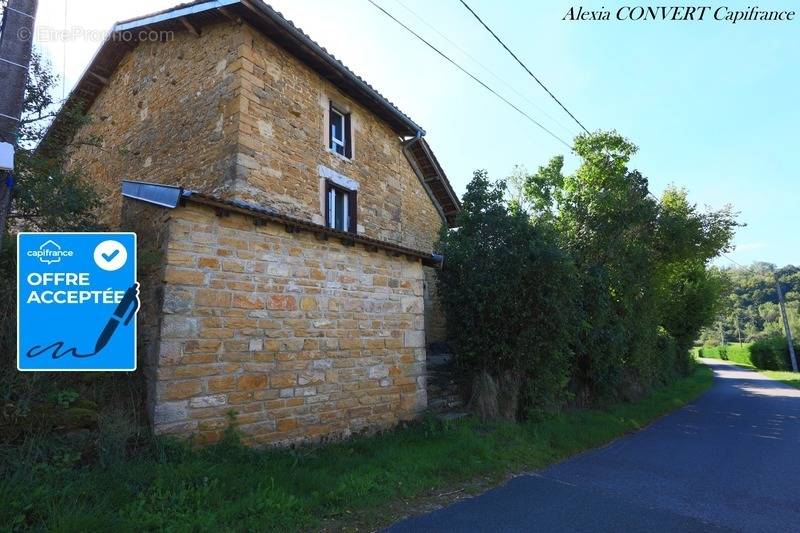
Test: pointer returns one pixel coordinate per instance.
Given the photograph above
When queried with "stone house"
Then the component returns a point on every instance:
(286, 213)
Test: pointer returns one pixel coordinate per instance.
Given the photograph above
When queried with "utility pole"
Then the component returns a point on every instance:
(786, 323)
(738, 329)
(16, 41)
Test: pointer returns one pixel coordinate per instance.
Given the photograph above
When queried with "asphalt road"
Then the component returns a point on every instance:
(730, 461)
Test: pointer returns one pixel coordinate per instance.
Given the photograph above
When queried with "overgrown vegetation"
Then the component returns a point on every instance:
(505, 273)
(170, 487)
(56, 417)
(772, 352)
(582, 288)
(734, 353)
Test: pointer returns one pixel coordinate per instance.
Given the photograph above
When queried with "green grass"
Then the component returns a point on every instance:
(736, 353)
(355, 483)
(741, 356)
(788, 377)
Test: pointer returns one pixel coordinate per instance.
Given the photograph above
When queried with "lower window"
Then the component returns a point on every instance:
(340, 208)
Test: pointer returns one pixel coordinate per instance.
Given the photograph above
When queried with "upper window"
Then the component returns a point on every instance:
(340, 208)
(339, 132)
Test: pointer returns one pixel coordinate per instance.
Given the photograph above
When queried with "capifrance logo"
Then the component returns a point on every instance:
(77, 301)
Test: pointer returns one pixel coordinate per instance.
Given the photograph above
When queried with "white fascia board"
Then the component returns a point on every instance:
(182, 12)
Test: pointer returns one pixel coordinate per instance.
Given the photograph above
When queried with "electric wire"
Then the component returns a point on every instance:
(474, 78)
(483, 66)
(523, 65)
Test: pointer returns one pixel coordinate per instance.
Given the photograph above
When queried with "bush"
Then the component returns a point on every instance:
(723, 352)
(771, 353)
(508, 296)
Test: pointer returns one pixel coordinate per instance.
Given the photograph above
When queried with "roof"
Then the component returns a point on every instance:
(433, 178)
(193, 16)
(170, 196)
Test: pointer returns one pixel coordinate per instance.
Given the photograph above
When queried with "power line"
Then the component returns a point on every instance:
(484, 67)
(523, 65)
(737, 263)
(475, 78)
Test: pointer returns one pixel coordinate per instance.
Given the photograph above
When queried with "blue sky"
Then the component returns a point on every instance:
(713, 106)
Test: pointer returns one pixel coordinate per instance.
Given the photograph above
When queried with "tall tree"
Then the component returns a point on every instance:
(630, 251)
(47, 195)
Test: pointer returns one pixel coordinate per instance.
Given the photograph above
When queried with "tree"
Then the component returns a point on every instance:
(641, 264)
(47, 195)
(752, 299)
(508, 296)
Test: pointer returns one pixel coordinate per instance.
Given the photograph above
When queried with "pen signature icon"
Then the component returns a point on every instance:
(123, 314)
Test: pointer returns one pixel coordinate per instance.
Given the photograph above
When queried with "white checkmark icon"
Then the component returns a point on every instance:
(110, 255)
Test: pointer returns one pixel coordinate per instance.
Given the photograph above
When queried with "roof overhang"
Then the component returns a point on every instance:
(433, 178)
(192, 17)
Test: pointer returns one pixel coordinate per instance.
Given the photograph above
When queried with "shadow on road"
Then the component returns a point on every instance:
(770, 404)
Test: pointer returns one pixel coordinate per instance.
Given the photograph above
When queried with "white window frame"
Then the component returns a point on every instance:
(332, 208)
(334, 141)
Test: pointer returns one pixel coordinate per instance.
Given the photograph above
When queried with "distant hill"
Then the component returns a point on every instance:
(751, 307)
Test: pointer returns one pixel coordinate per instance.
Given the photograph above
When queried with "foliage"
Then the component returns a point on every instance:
(349, 485)
(722, 350)
(641, 264)
(750, 309)
(772, 353)
(612, 284)
(55, 407)
(48, 195)
(509, 299)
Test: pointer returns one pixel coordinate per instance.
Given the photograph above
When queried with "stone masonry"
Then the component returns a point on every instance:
(232, 114)
(301, 338)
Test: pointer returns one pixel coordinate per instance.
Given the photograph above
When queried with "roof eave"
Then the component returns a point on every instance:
(170, 197)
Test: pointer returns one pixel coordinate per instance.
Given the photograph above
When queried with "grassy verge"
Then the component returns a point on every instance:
(741, 356)
(736, 353)
(227, 487)
(788, 377)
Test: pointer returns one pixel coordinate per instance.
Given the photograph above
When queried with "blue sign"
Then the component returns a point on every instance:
(77, 300)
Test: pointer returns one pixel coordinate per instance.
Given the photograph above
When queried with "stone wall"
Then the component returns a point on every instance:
(283, 141)
(233, 114)
(168, 115)
(151, 225)
(302, 338)
(435, 330)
